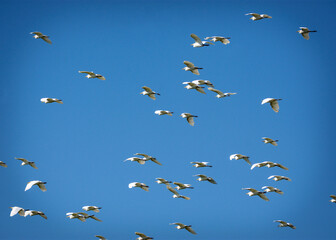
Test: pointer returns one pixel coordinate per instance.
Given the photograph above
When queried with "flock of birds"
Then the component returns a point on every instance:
(141, 158)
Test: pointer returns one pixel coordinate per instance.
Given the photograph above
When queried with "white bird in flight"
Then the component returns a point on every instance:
(136, 159)
(40, 35)
(224, 40)
(203, 177)
(139, 185)
(273, 102)
(200, 164)
(163, 112)
(198, 42)
(183, 226)
(284, 224)
(333, 198)
(256, 16)
(279, 178)
(203, 82)
(149, 92)
(142, 236)
(305, 32)
(272, 189)
(78, 216)
(92, 75)
(238, 156)
(176, 194)
(26, 162)
(91, 208)
(100, 237)
(253, 192)
(51, 100)
(220, 94)
(162, 181)
(191, 67)
(148, 158)
(35, 213)
(189, 117)
(191, 85)
(2, 164)
(181, 186)
(40, 184)
(16, 210)
(270, 140)
(268, 164)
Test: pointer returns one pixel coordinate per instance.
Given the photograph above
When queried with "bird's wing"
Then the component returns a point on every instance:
(255, 165)
(196, 38)
(274, 143)
(32, 164)
(233, 156)
(201, 90)
(43, 215)
(140, 234)
(263, 196)
(266, 100)
(224, 40)
(215, 90)
(46, 39)
(275, 106)
(305, 35)
(268, 139)
(22, 159)
(189, 64)
(189, 229)
(253, 14)
(247, 160)
(176, 223)
(83, 213)
(333, 197)
(304, 28)
(30, 184)
(178, 184)
(271, 177)
(172, 190)
(156, 161)
(37, 33)
(201, 176)
(101, 78)
(250, 189)
(266, 16)
(291, 226)
(184, 197)
(100, 237)
(195, 71)
(281, 166)
(147, 89)
(191, 121)
(212, 180)
(42, 187)
(90, 73)
(280, 221)
(97, 219)
(14, 211)
(142, 154)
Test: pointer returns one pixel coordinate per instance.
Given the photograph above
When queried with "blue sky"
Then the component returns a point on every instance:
(79, 147)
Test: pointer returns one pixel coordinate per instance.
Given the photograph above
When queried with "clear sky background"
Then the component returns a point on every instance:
(79, 147)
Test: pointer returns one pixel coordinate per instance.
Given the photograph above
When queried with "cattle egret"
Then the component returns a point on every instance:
(333, 198)
(238, 156)
(163, 181)
(253, 192)
(164, 112)
(136, 159)
(34, 213)
(142, 236)
(92, 75)
(271, 141)
(139, 185)
(100, 237)
(176, 194)
(40, 184)
(224, 40)
(191, 67)
(284, 224)
(38, 35)
(201, 164)
(256, 16)
(272, 189)
(16, 210)
(91, 208)
(86, 216)
(205, 178)
(147, 158)
(220, 94)
(149, 92)
(2, 164)
(26, 162)
(181, 186)
(273, 102)
(182, 226)
(73, 215)
(191, 85)
(305, 32)
(198, 42)
(203, 82)
(279, 178)
(268, 164)
(51, 100)
(189, 117)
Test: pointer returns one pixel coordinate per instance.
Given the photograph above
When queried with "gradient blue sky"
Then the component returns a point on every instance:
(80, 146)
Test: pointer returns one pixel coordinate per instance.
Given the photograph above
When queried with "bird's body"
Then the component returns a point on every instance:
(191, 85)
(40, 184)
(198, 42)
(200, 164)
(305, 32)
(189, 117)
(2, 164)
(17, 210)
(26, 162)
(273, 102)
(270, 140)
(149, 92)
(220, 94)
(268, 164)
(203, 82)
(176, 194)
(238, 156)
(183, 226)
(224, 40)
(78, 216)
(51, 100)
(162, 181)
(40, 35)
(91, 208)
(272, 189)
(92, 75)
(163, 112)
(279, 178)
(256, 16)
(148, 158)
(254, 192)
(142, 236)
(139, 185)
(136, 159)
(34, 213)
(203, 177)
(284, 224)
(333, 198)
(191, 67)
(180, 186)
